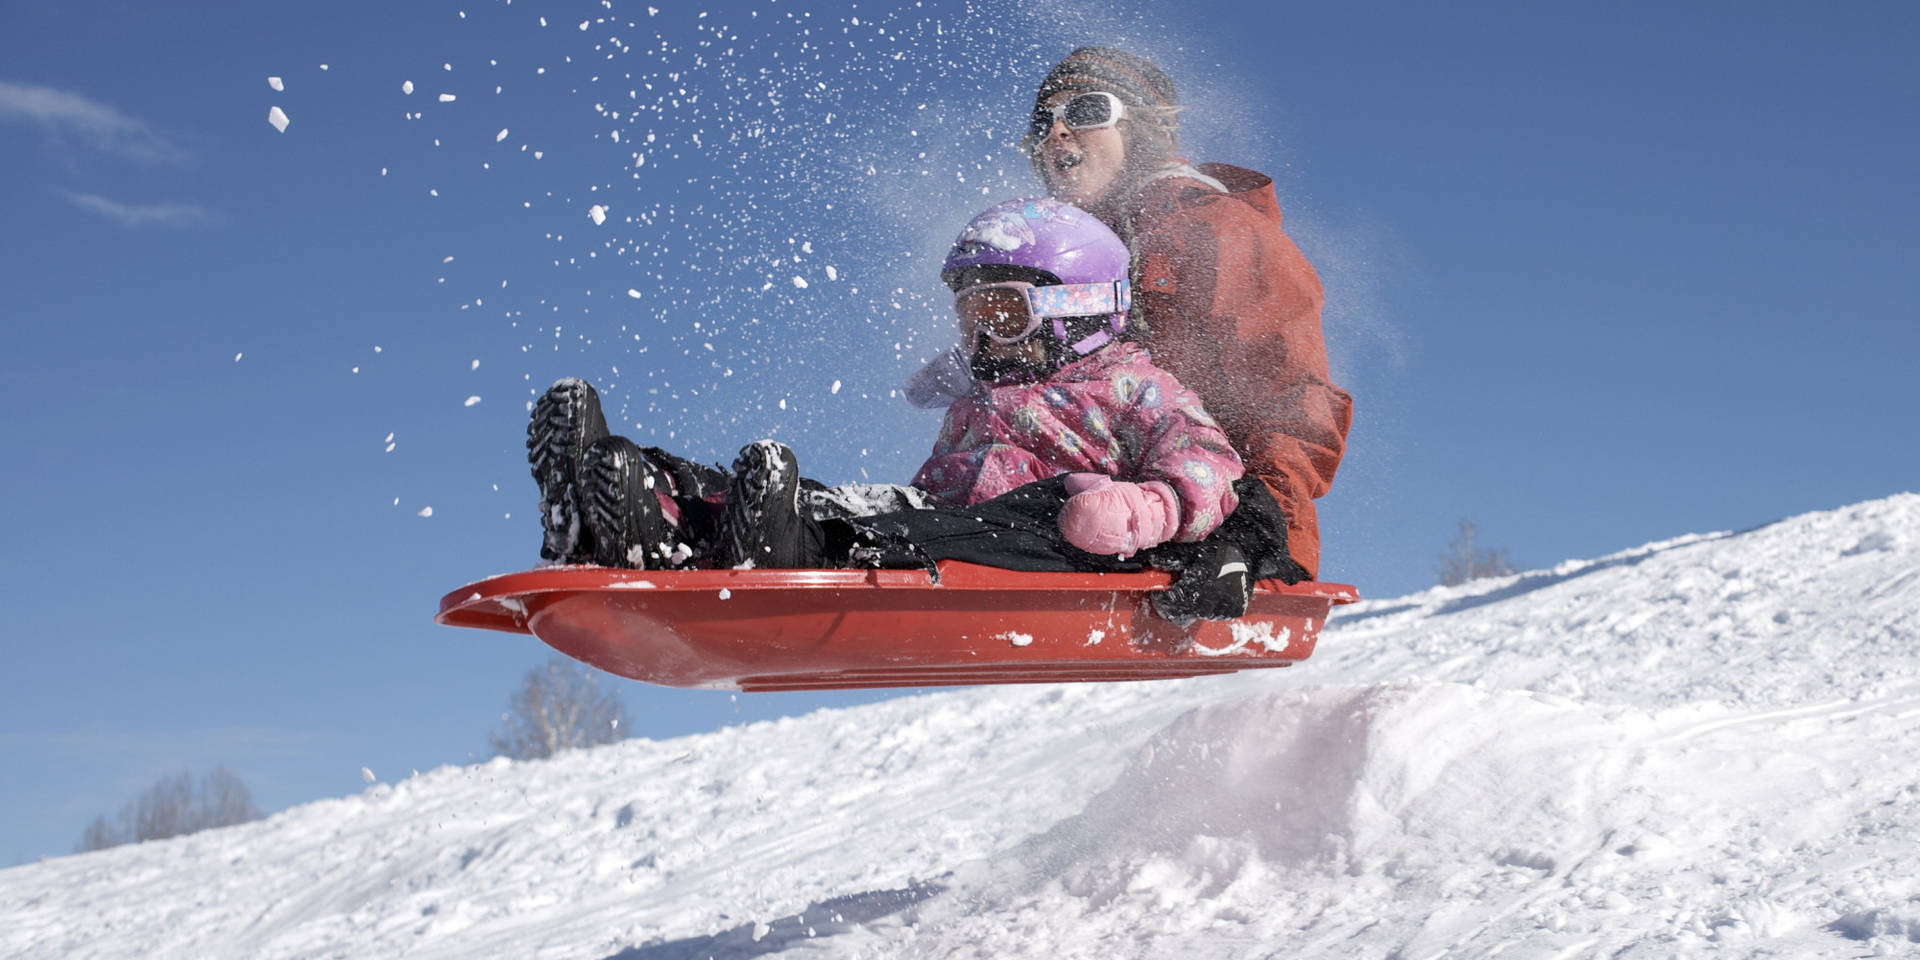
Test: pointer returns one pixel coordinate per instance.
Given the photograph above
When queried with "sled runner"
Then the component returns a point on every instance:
(765, 630)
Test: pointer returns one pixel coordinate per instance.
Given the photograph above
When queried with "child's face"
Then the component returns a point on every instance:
(1080, 166)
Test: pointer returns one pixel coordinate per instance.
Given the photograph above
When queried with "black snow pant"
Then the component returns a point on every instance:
(1018, 530)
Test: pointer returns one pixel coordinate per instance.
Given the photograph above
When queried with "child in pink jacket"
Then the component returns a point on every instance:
(1041, 293)
(1065, 449)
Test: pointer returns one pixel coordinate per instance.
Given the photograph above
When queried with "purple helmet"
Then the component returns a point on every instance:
(1088, 262)
(1040, 234)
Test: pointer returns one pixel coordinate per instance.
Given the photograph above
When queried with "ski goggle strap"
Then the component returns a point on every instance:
(1080, 299)
(1054, 302)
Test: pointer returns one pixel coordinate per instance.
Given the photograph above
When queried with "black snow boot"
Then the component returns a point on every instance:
(566, 421)
(627, 524)
(763, 526)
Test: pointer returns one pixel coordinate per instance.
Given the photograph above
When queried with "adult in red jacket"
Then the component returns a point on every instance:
(1223, 299)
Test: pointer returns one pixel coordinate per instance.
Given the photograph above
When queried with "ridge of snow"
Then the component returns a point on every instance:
(1704, 746)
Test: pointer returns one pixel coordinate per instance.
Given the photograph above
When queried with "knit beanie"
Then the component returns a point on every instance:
(1147, 92)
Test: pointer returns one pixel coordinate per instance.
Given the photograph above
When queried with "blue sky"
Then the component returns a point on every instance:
(1596, 277)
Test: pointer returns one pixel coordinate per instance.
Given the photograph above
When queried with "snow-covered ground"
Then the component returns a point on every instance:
(1709, 746)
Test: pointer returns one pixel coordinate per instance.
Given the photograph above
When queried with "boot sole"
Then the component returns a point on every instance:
(621, 510)
(566, 420)
(766, 477)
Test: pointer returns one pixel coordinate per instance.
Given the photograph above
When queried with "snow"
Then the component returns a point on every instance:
(278, 118)
(406, 87)
(1704, 747)
(1008, 231)
(276, 84)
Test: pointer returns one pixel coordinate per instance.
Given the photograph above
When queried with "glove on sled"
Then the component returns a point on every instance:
(1215, 584)
(1117, 518)
(1214, 578)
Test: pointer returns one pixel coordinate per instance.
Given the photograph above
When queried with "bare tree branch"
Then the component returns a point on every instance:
(560, 707)
(175, 806)
(1462, 562)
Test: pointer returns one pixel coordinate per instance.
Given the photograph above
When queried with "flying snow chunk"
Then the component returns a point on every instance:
(367, 775)
(835, 388)
(275, 83)
(633, 293)
(237, 356)
(425, 512)
(471, 401)
(598, 212)
(800, 282)
(278, 118)
(447, 98)
(476, 365)
(832, 274)
(406, 87)
(502, 135)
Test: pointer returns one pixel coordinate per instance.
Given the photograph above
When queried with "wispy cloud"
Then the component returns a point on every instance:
(69, 116)
(185, 741)
(130, 215)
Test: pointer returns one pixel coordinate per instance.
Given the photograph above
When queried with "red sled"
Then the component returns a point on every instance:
(764, 630)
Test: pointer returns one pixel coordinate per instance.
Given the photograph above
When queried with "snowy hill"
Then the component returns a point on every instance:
(1708, 746)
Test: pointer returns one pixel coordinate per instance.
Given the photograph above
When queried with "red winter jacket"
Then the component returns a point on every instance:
(1232, 309)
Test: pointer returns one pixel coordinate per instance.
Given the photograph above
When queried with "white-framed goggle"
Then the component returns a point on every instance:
(1087, 111)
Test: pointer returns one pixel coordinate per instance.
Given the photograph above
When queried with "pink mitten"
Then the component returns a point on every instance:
(1117, 518)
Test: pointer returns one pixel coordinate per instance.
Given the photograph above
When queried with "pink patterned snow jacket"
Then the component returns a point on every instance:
(1110, 412)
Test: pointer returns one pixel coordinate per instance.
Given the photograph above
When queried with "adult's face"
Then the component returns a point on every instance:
(1080, 166)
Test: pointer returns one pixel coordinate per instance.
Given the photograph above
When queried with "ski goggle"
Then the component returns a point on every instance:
(1088, 111)
(1011, 311)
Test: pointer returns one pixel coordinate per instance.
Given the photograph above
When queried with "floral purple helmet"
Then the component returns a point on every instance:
(1084, 263)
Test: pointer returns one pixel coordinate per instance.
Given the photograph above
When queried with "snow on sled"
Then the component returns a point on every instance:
(761, 630)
